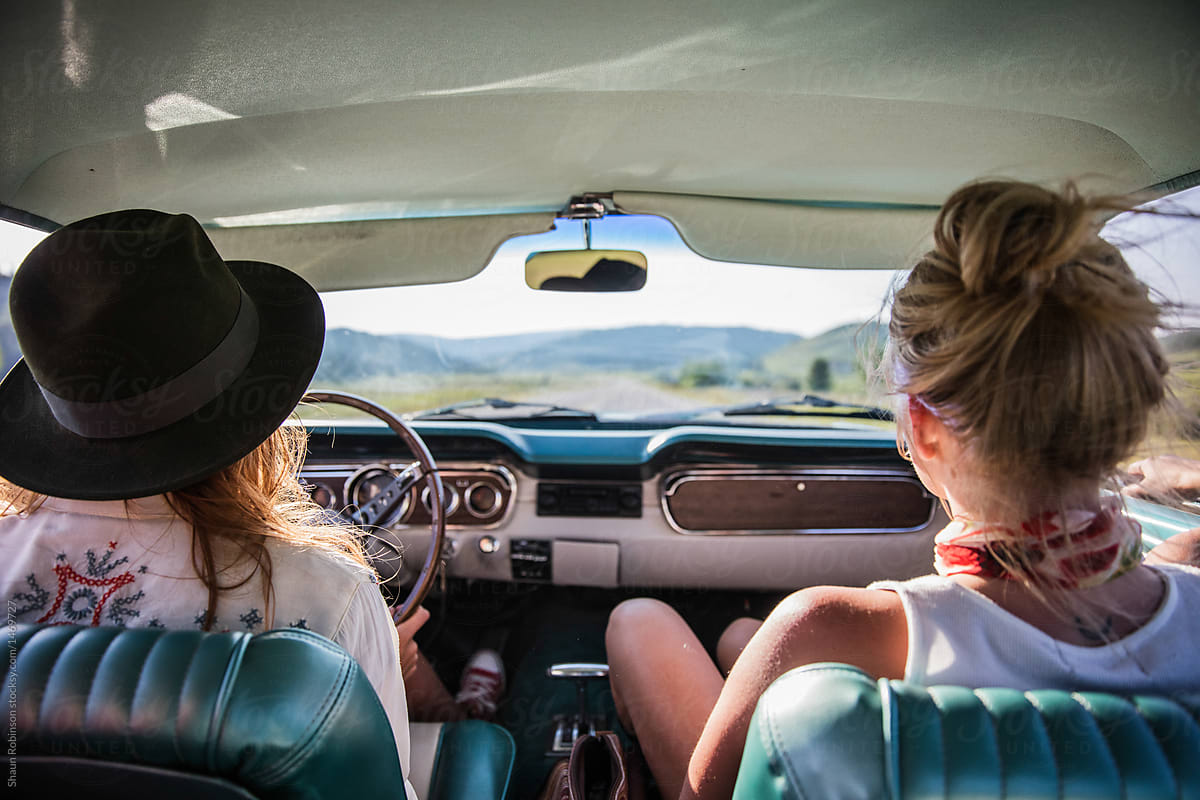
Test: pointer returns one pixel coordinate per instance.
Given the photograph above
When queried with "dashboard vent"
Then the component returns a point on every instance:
(530, 559)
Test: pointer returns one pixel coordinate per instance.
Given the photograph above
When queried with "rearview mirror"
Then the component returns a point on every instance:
(586, 270)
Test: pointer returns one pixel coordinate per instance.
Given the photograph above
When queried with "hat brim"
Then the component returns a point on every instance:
(39, 454)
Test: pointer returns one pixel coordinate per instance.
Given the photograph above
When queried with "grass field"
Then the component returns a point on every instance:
(604, 392)
(634, 392)
(420, 392)
(1178, 432)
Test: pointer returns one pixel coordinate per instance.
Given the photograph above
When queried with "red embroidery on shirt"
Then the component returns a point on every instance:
(66, 575)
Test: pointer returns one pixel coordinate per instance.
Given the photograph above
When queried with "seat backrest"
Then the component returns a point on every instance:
(151, 712)
(829, 730)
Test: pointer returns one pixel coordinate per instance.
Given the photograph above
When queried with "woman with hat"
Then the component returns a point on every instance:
(147, 478)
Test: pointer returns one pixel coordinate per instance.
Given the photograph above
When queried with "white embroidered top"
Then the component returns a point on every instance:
(129, 564)
(958, 636)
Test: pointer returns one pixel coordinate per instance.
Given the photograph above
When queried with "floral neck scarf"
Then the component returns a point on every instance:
(1073, 550)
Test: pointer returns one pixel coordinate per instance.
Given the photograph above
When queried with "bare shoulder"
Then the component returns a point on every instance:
(863, 627)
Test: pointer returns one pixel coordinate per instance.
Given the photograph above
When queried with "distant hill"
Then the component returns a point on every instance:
(645, 348)
(353, 354)
(840, 347)
(1181, 342)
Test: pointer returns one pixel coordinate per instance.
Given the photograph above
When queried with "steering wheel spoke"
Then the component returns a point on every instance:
(386, 505)
(381, 509)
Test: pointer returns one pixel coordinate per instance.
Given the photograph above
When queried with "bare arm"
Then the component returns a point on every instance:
(1162, 476)
(1182, 548)
(863, 627)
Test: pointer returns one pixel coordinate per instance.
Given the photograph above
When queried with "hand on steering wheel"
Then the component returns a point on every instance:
(383, 505)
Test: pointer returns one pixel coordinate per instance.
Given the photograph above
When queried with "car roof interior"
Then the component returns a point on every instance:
(819, 135)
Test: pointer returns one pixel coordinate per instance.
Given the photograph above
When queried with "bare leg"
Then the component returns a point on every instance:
(428, 698)
(733, 641)
(664, 685)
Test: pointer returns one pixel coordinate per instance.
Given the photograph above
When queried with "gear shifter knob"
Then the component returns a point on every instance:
(578, 670)
(569, 729)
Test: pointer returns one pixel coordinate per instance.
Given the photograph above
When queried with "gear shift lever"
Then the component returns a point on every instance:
(568, 728)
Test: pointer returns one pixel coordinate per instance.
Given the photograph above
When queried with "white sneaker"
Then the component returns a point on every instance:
(482, 685)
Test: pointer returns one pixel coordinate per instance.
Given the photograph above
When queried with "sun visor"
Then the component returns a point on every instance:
(790, 234)
(391, 252)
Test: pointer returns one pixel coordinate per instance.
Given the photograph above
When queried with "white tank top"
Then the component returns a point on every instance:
(958, 636)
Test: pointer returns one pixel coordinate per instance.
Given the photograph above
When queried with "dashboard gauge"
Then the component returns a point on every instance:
(482, 499)
(476, 495)
(449, 501)
(368, 483)
(321, 495)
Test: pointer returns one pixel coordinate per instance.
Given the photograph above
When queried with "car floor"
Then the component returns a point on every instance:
(536, 626)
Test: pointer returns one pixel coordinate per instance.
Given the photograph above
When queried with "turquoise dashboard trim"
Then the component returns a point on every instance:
(1159, 522)
(624, 447)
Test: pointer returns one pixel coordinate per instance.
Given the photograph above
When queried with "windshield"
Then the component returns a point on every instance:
(704, 340)
(701, 333)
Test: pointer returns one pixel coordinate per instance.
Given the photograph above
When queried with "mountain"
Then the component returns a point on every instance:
(1181, 341)
(643, 348)
(351, 354)
(842, 347)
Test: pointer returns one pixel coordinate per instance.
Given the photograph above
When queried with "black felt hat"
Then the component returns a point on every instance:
(149, 362)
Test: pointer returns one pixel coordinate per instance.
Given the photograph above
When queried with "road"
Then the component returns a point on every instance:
(619, 394)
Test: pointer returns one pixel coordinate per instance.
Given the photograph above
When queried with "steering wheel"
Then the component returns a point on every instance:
(385, 503)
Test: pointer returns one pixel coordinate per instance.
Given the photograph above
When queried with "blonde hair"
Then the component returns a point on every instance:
(234, 511)
(1030, 337)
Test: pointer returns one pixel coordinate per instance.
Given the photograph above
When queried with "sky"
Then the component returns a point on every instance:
(683, 288)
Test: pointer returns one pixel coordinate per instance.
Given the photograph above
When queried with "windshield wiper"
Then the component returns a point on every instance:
(456, 410)
(803, 407)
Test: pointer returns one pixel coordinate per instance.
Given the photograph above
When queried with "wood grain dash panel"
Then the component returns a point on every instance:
(788, 502)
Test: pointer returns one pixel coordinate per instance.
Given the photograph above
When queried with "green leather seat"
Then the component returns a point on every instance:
(830, 731)
(112, 712)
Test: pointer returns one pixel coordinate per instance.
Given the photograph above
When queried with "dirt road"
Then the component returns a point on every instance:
(619, 394)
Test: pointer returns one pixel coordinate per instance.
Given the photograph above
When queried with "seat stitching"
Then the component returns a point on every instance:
(1112, 760)
(329, 647)
(87, 702)
(299, 636)
(50, 676)
(991, 718)
(216, 719)
(179, 695)
(891, 737)
(137, 688)
(942, 741)
(1041, 718)
(775, 742)
(313, 733)
(1137, 709)
(317, 730)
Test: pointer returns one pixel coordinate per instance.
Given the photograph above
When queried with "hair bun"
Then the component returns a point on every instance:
(1009, 237)
(1030, 333)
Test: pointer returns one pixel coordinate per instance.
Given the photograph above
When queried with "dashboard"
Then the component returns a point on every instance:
(683, 506)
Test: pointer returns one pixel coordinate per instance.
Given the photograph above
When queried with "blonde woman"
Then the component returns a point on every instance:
(1023, 355)
(146, 479)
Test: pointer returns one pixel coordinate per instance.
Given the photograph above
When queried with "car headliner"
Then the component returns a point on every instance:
(817, 134)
